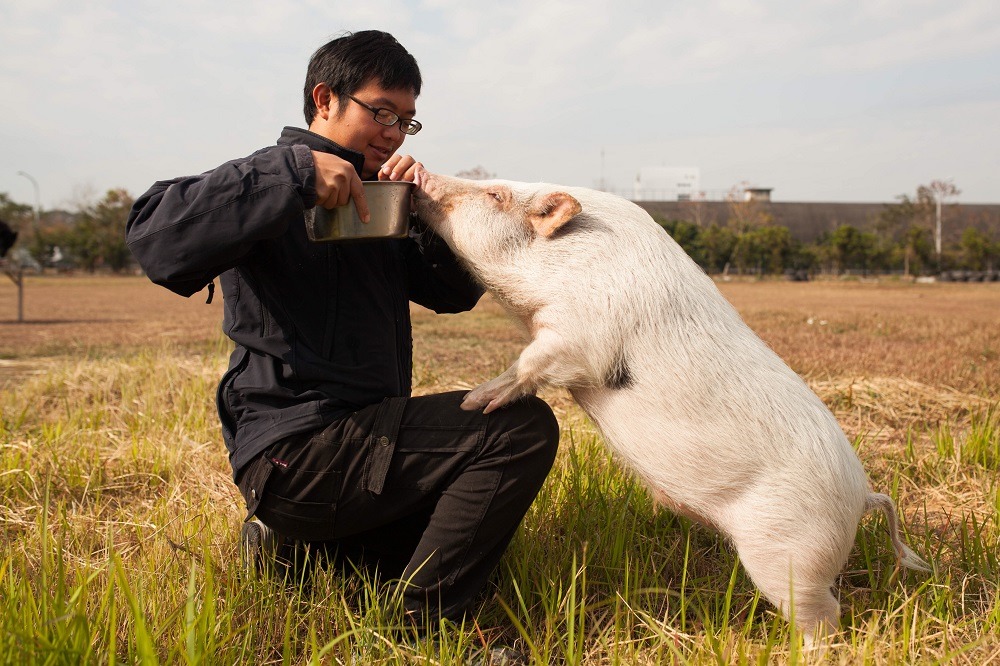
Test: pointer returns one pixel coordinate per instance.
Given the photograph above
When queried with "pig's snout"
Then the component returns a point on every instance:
(424, 181)
(429, 185)
(426, 197)
(431, 195)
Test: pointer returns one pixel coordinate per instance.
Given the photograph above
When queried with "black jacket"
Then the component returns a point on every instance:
(321, 329)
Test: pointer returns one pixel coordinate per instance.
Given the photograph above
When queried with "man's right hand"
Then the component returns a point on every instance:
(337, 183)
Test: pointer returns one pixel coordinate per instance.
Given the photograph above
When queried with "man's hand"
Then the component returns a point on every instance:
(337, 183)
(400, 167)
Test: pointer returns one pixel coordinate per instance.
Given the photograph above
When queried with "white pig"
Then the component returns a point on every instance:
(697, 405)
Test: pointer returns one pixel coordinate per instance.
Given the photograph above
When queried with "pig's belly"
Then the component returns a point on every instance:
(706, 465)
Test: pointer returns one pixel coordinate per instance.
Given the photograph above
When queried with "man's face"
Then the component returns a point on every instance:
(353, 126)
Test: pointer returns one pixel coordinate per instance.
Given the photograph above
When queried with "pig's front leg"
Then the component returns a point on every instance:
(538, 364)
(495, 393)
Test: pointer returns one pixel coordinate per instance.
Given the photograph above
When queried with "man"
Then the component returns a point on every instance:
(325, 443)
(7, 238)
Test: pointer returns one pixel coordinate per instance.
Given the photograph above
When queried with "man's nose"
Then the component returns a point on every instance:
(393, 132)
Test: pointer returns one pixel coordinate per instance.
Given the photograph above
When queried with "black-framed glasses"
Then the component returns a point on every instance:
(388, 118)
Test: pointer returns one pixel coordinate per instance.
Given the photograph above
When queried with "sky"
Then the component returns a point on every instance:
(821, 100)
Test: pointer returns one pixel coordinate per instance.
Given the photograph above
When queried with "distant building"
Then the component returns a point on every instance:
(757, 193)
(667, 184)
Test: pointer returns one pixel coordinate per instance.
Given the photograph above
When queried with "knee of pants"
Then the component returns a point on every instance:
(531, 428)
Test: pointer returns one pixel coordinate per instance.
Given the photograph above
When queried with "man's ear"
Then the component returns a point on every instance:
(326, 102)
(552, 211)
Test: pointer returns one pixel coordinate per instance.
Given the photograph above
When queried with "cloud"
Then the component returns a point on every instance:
(125, 93)
(896, 33)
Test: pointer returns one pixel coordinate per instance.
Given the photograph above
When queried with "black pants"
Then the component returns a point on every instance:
(430, 492)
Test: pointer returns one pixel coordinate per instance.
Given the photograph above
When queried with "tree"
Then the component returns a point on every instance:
(849, 247)
(476, 173)
(18, 215)
(804, 257)
(686, 235)
(906, 222)
(716, 247)
(698, 212)
(771, 248)
(98, 237)
(901, 226)
(939, 190)
(978, 250)
(746, 215)
(917, 250)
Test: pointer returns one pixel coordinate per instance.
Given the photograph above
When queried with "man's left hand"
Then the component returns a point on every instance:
(400, 167)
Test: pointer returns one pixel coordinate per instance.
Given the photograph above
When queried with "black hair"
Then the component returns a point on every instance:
(349, 62)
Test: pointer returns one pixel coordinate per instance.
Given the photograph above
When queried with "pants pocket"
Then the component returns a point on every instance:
(252, 482)
(305, 485)
(302, 504)
(306, 521)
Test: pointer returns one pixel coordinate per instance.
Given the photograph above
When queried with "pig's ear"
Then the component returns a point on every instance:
(552, 211)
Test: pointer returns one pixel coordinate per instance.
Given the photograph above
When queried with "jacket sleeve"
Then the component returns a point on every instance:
(184, 232)
(437, 279)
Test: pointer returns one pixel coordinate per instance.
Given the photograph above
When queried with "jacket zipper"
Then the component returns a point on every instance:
(401, 302)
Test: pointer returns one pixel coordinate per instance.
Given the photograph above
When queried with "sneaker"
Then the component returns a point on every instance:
(258, 546)
(491, 656)
(498, 656)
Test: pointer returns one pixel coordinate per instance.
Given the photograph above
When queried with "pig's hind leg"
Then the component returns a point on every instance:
(546, 360)
(794, 568)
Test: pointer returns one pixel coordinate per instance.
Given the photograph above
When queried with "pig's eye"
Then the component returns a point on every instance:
(500, 195)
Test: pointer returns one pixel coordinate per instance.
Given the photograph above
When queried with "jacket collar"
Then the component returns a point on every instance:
(294, 135)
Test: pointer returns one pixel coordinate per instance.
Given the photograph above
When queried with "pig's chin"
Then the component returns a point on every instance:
(430, 213)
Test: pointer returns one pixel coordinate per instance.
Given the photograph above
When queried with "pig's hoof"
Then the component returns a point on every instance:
(481, 397)
(495, 404)
(474, 400)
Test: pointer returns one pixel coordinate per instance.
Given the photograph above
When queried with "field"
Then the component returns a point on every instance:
(120, 521)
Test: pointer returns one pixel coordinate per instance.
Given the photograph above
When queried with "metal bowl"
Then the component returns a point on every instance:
(388, 203)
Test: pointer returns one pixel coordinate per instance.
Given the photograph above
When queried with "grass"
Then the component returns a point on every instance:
(119, 524)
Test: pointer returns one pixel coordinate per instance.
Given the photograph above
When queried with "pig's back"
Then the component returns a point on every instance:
(699, 376)
(620, 272)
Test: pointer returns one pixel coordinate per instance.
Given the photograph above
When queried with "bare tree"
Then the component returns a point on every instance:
(476, 173)
(940, 190)
(697, 211)
(746, 215)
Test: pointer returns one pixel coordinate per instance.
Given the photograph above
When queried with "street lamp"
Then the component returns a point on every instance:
(38, 197)
(18, 275)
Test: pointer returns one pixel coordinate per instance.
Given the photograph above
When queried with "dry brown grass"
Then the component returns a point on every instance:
(942, 335)
(887, 357)
(76, 313)
(945, 335)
